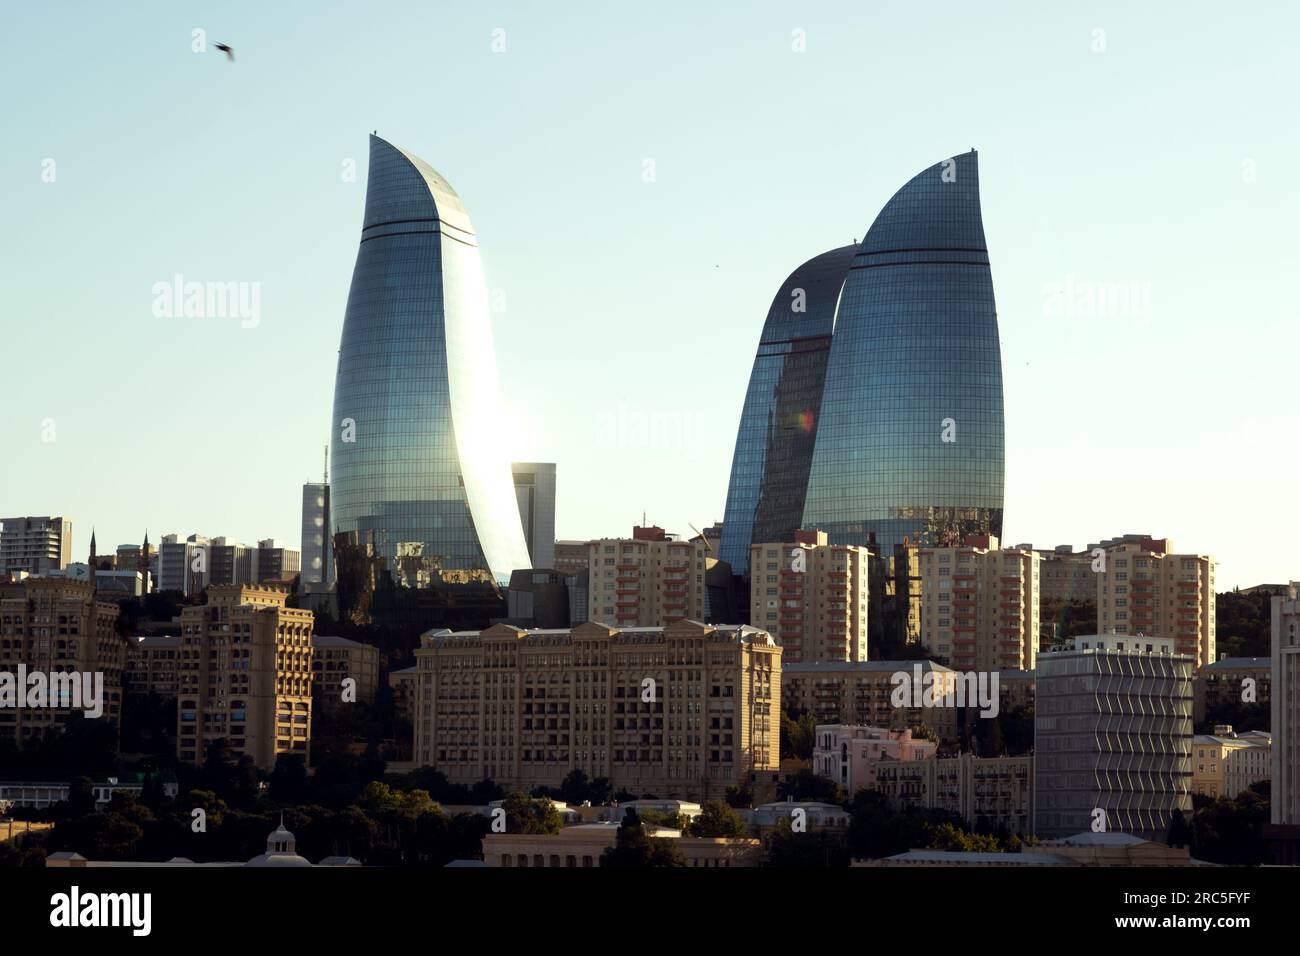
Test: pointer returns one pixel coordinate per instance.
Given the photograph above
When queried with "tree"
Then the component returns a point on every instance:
(739, 796)
(816, 850)
(718, 819)
(806, 785)
(81, 797)
(947, 836)
(798, 734)
(1180, 833)
(527, 815)
(634, 849)
(289, 782)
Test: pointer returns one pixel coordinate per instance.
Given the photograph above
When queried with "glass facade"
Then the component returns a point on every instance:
(778, 424)
(420, 486)
(910, 443)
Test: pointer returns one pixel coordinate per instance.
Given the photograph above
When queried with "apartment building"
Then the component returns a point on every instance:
(274, 562)
(183, 564)
(153, 665)
(683, 711)
(1145, 588)
(986, 792)
(1228, 682)
(336, 659)
(648, 580)
(980, 605)
(812, 597)
(55, 626)
(862, 692)
(245, 675)
(1112, 736)
(36, 545)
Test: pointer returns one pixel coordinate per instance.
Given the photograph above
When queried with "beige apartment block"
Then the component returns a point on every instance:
(648, 580)
(245, 675)
(812, 597)
(51, 626)
(1064, 575)
(1147, 589)
(336, 659)
(980, 605)
(682, 711)
(153, 665)
(996, 792)
(862, 692)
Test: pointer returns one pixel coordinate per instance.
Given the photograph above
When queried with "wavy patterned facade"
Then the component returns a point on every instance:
(778, 424)
(910, 444)
(420, 485)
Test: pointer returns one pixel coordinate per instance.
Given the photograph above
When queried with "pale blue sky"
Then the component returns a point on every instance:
(1166, 162)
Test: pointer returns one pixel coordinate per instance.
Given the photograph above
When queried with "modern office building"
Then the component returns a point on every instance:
(419, 484)
(245, 675)
(980, 605)
(50, 626)
(538, 598)
(183, 565)
(778, 423)
(274, 562)
(317, 554)
(37, 545)
(910, 443)
(230, 562)
(683, 711)
(1112, 736)
(1146, 588)
(535, 492)
(812, 597)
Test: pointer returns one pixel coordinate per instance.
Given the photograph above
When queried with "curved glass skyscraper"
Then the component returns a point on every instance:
(778, 424)
(420, 485)
(910, 443)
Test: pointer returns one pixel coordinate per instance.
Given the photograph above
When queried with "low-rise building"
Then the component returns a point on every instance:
(989, 793)
(582, 846)
(848, 754)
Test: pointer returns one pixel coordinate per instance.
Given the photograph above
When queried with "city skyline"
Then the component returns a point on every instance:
(1111, 412)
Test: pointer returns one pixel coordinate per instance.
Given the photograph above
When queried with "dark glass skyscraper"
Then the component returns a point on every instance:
(420, 486)
(910, 443)
(778, 424)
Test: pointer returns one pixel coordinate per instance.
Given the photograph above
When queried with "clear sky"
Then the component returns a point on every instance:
(1142, 150)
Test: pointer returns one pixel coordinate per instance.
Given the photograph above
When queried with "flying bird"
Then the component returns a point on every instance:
(227, 51)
